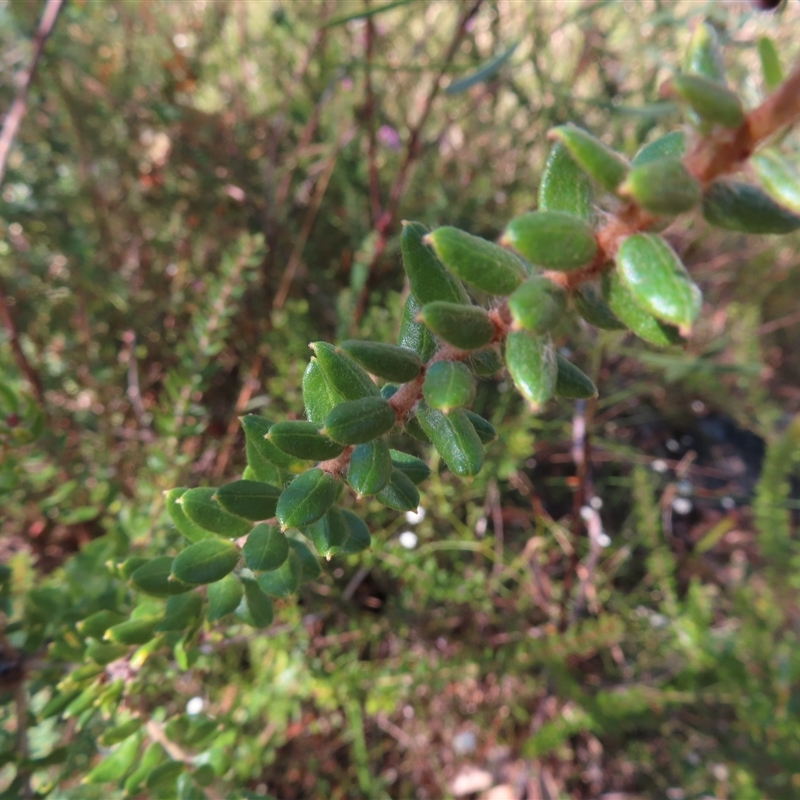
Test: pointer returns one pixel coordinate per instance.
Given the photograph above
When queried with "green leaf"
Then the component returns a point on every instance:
(663, 186)
(711, 101)
(386, 360)
(538, 305)
(531, 362)
(319, 396)
(224, 597)
(413, 428)
(400, 493)
(448, 385)
(552, 239)
(487, 70)
(671, 144)
(565, 186)
(133, 631)
(284, 580)
(454, 438)
(572, 382)
(738, 206)
(704, 56)
(595, 158)
(153, 755)
(155, 577)
(328, 533)
(95, 625)
(634, 317)
(415, 468)
(311, 569)
(414, 335)
(658, 280)
(307, 498)
(485, 362)
(165, 775)
(202, 509)
(252, 500)
(182, 611)
(770, 63)
(429, 279)
(260, 452)
(303, 440)
(193, 532)
(266, 548)
(130, 565)
(465, 327)
(484, 428)
(360, 421)
(258, 604)
(205, 562)
(118, 733)
(370, 467)
(478, 262)
(100, 653)
(116, 765)
(358, 538)
(589, 303)
(779, 177)
(343, 373)
(364, 13)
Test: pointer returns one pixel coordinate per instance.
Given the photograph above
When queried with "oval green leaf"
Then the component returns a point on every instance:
(303, 440)
(328, 533)
(262, 455)
(704, 56)
(388, 361)
(738, 206)
(572, 382)
(252, 500)
(182, 611)
(779, 177)
(224, 597)
(427, 275)
(595, 158)
(662, 186)
(589, 303)
(658, 281)
(155, 577)
(343, 373)
(134, 631)
(552, 239)
(415, 468)
(306, 498)
(205, 562)
(478, 262)
(202, 509)
(485, 363)
(360, 421)
(309, 563)
(484, 428)
(770, 63)
(538, 305)
(266, 548)
(670, 144)
(454, 438)
(635, 318)
(565, 186)
(400, 493)
(358, 538)
(259, 605)
(448, 385)
(284, 580)
(413, 334)
(319, 396)
(711, 101)
(465, 327)
(370, 467)
(531, 362)
(192, 531)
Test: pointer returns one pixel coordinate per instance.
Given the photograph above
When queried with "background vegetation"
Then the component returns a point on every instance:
(199, 190)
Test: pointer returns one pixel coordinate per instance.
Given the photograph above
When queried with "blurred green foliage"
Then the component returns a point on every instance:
(189, 202)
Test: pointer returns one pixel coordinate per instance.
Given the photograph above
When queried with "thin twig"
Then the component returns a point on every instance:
(413, 149)
(24, 80)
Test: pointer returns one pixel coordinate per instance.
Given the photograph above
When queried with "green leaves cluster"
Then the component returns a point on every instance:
(253, 539)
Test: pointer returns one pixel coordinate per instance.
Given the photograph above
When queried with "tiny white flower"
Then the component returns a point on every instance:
(408, 539)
